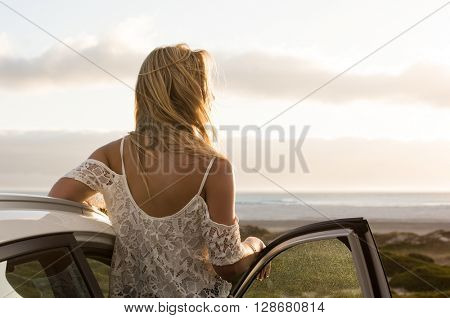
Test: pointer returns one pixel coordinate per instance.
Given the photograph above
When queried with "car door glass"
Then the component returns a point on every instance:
(316, 269)
(101, 267)
(48, 273)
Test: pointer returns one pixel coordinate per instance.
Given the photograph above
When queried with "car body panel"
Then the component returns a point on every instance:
(23, 216)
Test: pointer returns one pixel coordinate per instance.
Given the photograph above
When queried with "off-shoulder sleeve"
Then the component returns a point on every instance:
(223, 242)
(93, 173)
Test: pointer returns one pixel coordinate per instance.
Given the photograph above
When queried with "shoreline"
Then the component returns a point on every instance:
(377, 226)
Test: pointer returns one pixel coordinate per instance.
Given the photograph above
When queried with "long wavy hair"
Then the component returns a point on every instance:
(173, 101)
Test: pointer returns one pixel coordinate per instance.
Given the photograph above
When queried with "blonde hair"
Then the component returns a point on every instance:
(173, 101)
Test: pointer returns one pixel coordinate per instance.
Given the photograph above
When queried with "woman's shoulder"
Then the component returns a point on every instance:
(220, 192)
(221, 177)
(109, 154)
(221, 168)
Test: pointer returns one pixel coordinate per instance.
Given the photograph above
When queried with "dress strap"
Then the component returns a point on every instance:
(121, 155)
(205, 175)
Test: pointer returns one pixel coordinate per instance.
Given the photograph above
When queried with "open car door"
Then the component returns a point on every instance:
(337, 258)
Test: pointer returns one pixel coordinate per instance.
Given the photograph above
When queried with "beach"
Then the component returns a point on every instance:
(377, 226)
(419, 213)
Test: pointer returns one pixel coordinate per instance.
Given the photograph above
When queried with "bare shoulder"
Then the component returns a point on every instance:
(221, 171)
(108, 153)
(220, 192)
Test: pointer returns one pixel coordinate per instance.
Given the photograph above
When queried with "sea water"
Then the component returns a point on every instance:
(405, 207)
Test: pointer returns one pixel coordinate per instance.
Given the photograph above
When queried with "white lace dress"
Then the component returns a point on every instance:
(162, 256)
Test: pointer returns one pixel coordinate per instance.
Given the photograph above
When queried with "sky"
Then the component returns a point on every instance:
(269, 55)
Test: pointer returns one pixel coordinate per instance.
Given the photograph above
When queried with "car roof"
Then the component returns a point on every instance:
(23, 215)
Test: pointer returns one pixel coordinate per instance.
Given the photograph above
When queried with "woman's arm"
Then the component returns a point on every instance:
(73, 190)
(233, 272)
(220, 198)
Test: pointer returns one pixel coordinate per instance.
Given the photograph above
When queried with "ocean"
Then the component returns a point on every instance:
(398, 207)
(404, 207)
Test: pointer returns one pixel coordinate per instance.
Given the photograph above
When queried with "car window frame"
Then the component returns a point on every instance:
(101, 243)
(94, 240)
(40, 243)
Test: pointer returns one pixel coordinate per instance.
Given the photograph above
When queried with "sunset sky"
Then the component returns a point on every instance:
(269, 54)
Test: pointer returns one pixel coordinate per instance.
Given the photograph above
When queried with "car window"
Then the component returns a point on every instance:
(99, 260)
(48, 273)
(315, 269)
(101, 268)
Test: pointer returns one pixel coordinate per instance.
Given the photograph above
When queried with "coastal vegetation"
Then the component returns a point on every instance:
(416, 266)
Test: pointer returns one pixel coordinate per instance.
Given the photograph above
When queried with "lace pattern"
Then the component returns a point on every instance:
(93, 173)
(162, 257)
(223, 241)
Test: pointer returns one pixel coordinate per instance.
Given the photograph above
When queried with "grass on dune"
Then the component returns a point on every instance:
(317, 269)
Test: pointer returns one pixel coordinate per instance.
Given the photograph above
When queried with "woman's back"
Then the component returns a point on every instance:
(168, 253)
(159, 183)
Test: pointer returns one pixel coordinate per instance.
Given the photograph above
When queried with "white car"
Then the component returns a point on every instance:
(57, 248)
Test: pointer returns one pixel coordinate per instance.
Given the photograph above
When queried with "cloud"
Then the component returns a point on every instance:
(267, 76)
(253, 74)
(119, 51)
(36, 159)
(31, 160)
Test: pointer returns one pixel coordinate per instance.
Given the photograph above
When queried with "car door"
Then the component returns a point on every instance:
(46, 266)
(337, 258)
(97, 248)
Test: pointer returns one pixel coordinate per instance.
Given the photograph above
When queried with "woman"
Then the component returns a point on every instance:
(169, 194)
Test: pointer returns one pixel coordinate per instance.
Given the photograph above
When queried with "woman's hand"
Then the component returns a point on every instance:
(265, 272)
(257, 246)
